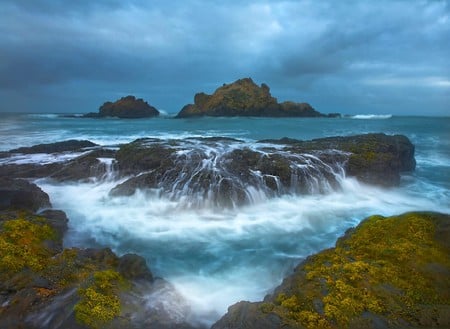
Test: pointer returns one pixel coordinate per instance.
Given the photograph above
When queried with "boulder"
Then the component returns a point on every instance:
(244, 98)
(21, 194)
(388, 272)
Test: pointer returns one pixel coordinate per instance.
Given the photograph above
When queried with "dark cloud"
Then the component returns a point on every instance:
(362, 56)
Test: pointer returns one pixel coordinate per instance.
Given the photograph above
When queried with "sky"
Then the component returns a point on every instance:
(352, 57)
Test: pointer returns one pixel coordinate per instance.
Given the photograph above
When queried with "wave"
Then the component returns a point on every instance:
(371, 116)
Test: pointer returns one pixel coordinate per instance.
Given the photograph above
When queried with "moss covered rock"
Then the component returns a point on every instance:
(244, 98)
(386, 273)
(45, 287)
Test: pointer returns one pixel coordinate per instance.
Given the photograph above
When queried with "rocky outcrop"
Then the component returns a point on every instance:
(386, 273)
(373, 158)
(244, 98)
(43, 285)
(88, 165)
(71, 145)
(20, 194)
(225, 172)
(127, 107)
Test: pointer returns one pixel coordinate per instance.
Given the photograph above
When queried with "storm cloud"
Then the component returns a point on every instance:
(340, 56)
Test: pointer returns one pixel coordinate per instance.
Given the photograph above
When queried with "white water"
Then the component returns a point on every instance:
(215, 257)
(371, 116)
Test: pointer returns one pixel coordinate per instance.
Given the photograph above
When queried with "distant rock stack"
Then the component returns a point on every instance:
(127, 108)
(244, 98)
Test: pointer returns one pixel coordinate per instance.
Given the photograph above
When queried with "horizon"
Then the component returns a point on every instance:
(389, 57)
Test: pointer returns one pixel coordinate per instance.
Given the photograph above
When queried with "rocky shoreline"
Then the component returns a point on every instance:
(43, 285)
(386, 273)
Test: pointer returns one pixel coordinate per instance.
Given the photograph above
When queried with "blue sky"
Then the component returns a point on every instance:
(340, 56)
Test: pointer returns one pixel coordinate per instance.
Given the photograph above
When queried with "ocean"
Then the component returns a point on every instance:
(216, 257)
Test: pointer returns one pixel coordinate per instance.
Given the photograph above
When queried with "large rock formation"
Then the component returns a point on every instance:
(386, 273)
(44, 286)
(244, 98)
(225, 172)
(127, 107)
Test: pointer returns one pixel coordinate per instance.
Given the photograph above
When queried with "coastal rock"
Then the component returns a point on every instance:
(379, 275)
(127, 107)
(244, 98)
(71, 145)
(43, 286)
(227, 172)
(374, 158)
(20, 194)
(91, 164)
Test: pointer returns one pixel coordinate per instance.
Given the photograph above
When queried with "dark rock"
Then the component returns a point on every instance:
(66, 146)
(379, 275)
(134, 267)
(127, 107)
(29, 170)
(83, 167)
(224, 171)
(20, 194)
(334, 115)
(58, 220)
(244, 98)
(246, 315)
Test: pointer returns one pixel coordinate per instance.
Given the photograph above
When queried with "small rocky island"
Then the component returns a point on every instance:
(245, 98)
(127, 108)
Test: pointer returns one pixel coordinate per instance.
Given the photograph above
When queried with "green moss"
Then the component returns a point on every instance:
(382, 267)
(99, 301)
(22, 244)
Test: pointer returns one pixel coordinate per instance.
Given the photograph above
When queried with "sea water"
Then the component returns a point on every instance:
(216, 257)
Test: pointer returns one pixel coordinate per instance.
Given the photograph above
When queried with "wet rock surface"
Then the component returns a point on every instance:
(227, 172)
(43, 285)
(232, 172)
(379, 275)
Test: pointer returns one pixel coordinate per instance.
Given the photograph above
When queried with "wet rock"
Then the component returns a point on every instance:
(379, 275)
(227, 172)
(84, 167)
(134, 267)
(20, 194)
(29, 170)
(246, 315)
(58, 147)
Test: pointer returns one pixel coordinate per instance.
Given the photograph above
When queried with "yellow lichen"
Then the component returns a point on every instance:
(99, 302)
(22, 245)
(381, 268)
